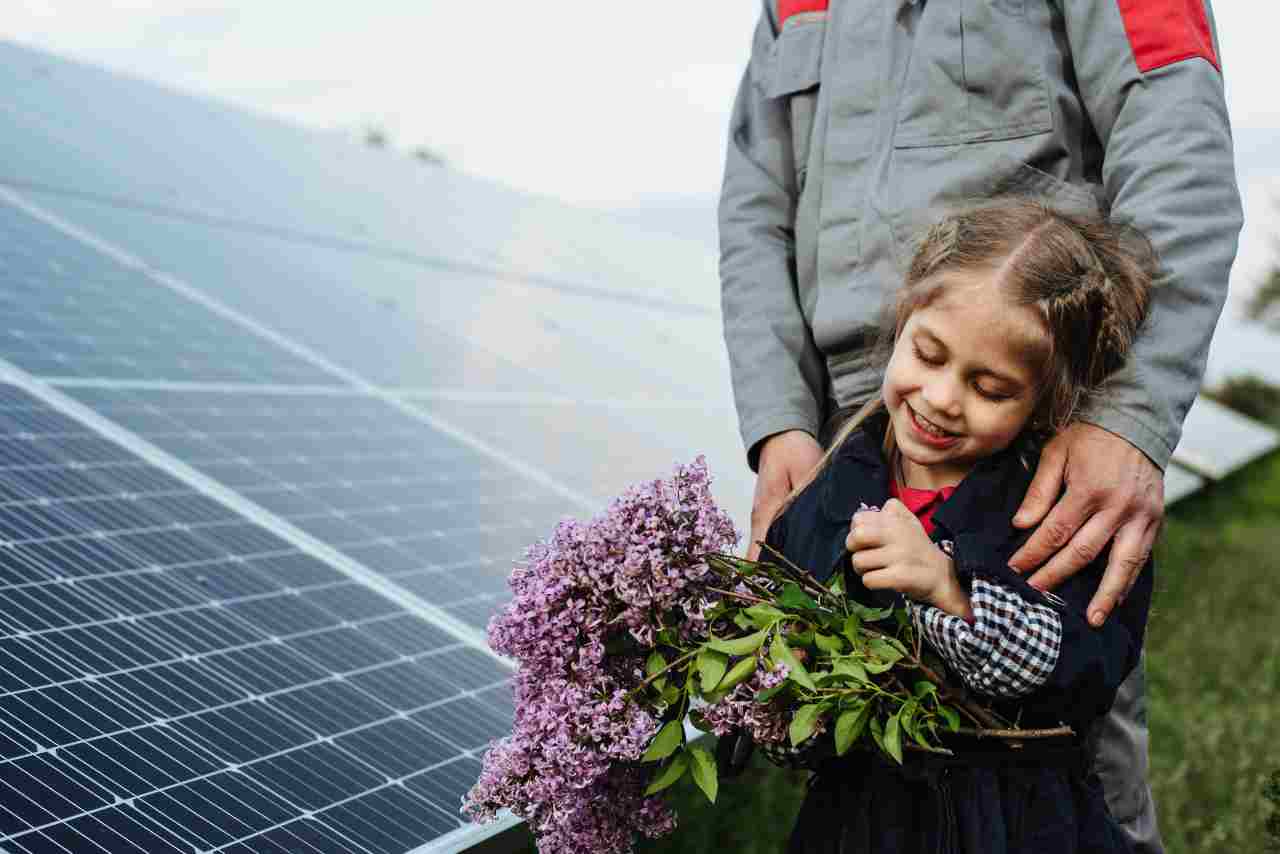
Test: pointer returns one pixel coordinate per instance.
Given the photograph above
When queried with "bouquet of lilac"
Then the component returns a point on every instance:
(626, 625)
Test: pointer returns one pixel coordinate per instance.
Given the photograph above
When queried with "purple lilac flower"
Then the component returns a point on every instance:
(570, 765)
(766, 722)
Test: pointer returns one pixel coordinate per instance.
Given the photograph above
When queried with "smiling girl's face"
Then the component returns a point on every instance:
(963, 379)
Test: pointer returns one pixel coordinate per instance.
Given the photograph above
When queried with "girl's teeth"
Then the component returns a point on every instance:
(929, 426)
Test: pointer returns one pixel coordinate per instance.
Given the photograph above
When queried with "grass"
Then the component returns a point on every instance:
(1213, 664)
(1213, 668)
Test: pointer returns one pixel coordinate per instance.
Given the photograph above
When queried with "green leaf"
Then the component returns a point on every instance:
(764, 616)
(665, 742)
(885, 650)
(850, 666)
(850, 725)
(739, 673)
(742, 621)
(870, 615)
(907, 718)
(951, 716)
(836, 585)
(769, 693)
(739, 646)
(793, 597)
(852, 627)
(711, 667)
(670, 693)
(704, 772)
(670, 773)
(828, 643)
(877, 731)
(903, 618)
(924, 687)
(655, 664)
(804, 722)
(893, 738)
(780, 652)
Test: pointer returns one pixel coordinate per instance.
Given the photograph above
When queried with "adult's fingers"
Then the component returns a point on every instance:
(1128, 556)
(1045, 486)
(1085, 545)
(772, 486)
(785, 460)
(1058, 529)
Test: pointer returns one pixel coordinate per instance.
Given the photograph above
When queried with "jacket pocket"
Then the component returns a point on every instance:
(974, 76)
(797, 71)
(930, 182)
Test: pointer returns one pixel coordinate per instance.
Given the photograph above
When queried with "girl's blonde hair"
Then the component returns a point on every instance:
(1088, 277)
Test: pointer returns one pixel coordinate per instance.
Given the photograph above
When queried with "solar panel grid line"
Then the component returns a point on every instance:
(69, 709)
(306, 354)
(265, 642)
(399, 715)
(236, 501)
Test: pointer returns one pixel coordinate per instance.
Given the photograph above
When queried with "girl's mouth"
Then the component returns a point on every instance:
(930, 433)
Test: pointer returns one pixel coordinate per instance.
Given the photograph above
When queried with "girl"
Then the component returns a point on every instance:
(1011, 314)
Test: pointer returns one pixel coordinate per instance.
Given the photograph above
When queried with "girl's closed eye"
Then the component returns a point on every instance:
(928, 359)
(994, 395)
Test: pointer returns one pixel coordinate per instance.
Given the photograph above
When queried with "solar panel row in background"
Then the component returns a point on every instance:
(177, 678)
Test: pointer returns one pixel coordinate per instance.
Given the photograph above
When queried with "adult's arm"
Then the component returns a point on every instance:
(1151, 83)
(1149, 75)
(779, 377)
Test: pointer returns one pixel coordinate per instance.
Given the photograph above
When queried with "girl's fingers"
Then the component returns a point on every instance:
(880, 579)
(869, 560)
(865, 531)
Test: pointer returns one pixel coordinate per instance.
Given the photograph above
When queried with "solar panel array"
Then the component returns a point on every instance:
(265, 463)
(177, 678)
(276, 415)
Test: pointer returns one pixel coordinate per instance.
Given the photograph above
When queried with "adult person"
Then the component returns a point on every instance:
(857, 121)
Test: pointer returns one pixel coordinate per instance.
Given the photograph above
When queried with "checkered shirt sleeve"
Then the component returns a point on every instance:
(1008, 651)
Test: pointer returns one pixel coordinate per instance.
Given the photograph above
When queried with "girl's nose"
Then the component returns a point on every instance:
(942, 395)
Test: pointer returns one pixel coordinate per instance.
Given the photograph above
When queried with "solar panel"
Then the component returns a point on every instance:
(438, 518)
(85, 132)
(177, 678)
(67, 310)
(1217, 440)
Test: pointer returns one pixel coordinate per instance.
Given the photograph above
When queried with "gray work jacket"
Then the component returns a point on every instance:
(858, 121)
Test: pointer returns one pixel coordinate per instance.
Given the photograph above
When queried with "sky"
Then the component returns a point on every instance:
(607, 105)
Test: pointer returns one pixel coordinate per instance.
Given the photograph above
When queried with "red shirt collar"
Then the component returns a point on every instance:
(921, 502)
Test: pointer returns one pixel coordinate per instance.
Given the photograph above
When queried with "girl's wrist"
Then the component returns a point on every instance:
(951, 595)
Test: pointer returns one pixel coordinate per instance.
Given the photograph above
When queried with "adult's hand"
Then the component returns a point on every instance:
(785, 460)
(1113, 492)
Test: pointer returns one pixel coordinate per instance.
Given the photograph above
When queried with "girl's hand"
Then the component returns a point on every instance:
(891, 551)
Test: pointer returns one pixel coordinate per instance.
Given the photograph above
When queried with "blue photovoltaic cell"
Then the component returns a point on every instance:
(68, 310)
(188, 681)
(438, 518)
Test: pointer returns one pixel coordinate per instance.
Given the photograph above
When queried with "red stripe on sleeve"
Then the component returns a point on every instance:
(1162, 32)
(787, 8)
